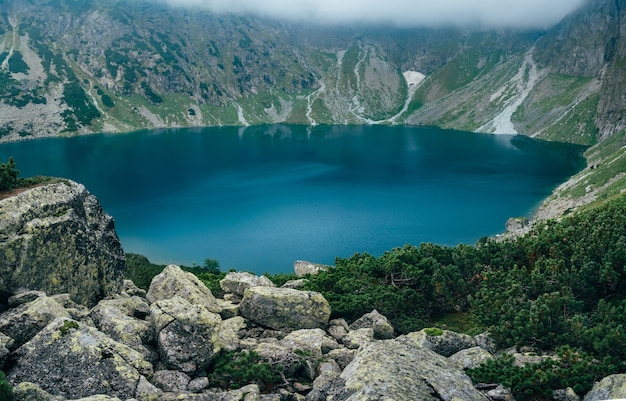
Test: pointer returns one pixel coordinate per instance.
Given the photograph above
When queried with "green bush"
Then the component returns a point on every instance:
(572, 368)
(6, 392)
(236, 369)
(8, 175)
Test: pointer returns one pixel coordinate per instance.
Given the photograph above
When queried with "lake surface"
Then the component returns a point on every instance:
(259, 198)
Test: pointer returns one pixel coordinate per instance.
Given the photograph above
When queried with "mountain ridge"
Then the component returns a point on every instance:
(69, 68)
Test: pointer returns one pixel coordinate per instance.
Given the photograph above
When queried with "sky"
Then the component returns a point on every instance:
(483, 13)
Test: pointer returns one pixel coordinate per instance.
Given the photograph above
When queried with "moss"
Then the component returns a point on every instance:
(67, 325)
(433, 331)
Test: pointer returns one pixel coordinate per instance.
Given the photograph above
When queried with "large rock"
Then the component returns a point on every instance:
(25, 321)
(126, 320)
(187, 335)
(470, 358)
(6, 344)
(610, 388)
(397, 370)
(228, 334)
(382, 328)
(303, 268)
(285, 308)
(313, 341)
(239, 282)
(56, 238)
(443, 342)
(173, 281)
(74, 360)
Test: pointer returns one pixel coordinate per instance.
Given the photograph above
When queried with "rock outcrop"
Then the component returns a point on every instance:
(285, 308)
(238, 282)
(74, 360)
(56, 238)
(375, 321)
(173, 281)
(443, 342)
(302, 268)
(399, 369)
(610, 388)
(187, 335)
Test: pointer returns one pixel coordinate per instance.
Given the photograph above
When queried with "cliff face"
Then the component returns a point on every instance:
(591, 43)
(56, 238)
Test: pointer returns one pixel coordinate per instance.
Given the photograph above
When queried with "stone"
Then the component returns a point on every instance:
(186, 334)
(173, 281)
(374, 320)
(356, 338)
(24, 297)
(338, 332)
(228, 335)
(125, 320)
(57, 239)
(129, 288)
(342, 356)
(295, 284)
(399, 370)
(566, 394)
(171, 380)
(517, 224)
(6, 345)
(486, 342)
(27, 391)
(328, 366)
(198, 384)
(284, 308)
(73, 360)
(313, 341)
(229, 309)
(238, 282)
(303, 268)
(610, 388)
(146, 390)
(76, 311)
(443, 342)
(25, 321)
(325, 386)
(470, 358)
(500, 393)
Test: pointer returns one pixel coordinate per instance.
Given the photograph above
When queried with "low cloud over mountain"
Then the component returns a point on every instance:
(485, 13)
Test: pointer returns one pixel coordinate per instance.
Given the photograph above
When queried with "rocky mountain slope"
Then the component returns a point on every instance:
(116, 66)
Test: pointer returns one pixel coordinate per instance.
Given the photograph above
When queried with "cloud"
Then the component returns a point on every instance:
(484, 13)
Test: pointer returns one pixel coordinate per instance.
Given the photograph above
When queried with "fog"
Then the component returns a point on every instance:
(430, 13)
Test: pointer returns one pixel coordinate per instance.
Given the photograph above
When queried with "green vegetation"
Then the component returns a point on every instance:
(17, 63)
(6, 392)
(572, 368)
(82, 111)
(411, 286)
(8, 175)
(236, 369)
(67, 325)
(433, 331)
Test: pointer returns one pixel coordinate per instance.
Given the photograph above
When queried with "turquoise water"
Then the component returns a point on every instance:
(259, 198)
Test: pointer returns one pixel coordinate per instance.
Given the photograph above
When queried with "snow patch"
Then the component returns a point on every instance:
(413, 78)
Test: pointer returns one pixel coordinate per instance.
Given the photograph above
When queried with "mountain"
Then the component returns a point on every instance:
(73, 67)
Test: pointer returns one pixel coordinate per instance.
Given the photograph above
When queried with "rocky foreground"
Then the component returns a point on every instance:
(71, 328)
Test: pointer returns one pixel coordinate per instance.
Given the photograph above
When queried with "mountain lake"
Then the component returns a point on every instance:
(259, 198)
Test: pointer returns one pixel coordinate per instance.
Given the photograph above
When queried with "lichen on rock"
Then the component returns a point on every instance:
(56, 238)
(285, 308)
